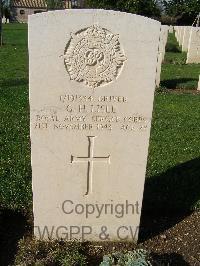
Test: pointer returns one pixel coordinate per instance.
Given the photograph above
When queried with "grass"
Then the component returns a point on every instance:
(32, 252)
(176, 74)
(173, 174)
(15, 170)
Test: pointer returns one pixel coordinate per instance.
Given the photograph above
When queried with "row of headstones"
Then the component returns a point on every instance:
(5, 21)
(188, 38)
(161, 50)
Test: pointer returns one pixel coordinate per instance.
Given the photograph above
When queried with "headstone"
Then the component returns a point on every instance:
(181, 35)
(92, 84)
(177, 32)
(3, 20)
(193, 55)
(186, 37)
(171, 29)
(164, 39)
(161, 52)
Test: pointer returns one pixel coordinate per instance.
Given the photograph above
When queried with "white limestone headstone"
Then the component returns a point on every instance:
(186, 37)
(3, 20)
(164, 39)
(161, 52)
(178, 33)
(181, 35)
(175, 30)
(193, 55)
(92, 81)
(171, 29)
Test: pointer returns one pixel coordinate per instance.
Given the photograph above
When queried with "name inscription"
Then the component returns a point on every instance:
(82, 112)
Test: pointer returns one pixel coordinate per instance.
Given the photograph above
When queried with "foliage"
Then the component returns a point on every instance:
(6, 8)
(55, 253)
(174, 7)
(148, 8)
(138, 257)
(4, 11)
(54, 4)
(182, 8)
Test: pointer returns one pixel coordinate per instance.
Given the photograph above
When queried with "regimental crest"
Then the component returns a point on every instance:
(94, 56)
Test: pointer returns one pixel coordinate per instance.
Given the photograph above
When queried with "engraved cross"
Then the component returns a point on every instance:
(90, 159)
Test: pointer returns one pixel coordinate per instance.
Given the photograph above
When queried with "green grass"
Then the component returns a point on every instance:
(176, 74)
(173, 172)
(15, 170)
(173, 167)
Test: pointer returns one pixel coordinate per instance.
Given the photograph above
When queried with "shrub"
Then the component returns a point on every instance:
(138, 257)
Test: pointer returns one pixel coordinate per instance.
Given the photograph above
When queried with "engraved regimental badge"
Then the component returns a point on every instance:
(94, 56)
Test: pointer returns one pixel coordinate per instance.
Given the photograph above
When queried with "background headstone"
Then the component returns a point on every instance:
(193, 55)
(186, 37)
(161, 52)
(3, 20)
(181, 35)
(171, 29)
(164, 39)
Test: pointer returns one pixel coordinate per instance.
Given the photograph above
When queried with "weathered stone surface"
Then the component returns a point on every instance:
(161, 52)
(181, 35)
(171, 29)
(186, 37)
(193, 55)
(92, 81)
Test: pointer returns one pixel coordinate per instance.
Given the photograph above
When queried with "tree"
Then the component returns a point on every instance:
(148, 8)
(184, 10)
(54, 4)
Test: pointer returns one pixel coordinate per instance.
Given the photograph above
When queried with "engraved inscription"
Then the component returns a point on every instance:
(94, 56)
(90, 113)
(90, 159)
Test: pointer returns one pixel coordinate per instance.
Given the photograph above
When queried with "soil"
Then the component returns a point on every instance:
(179, 245)
(173, 240)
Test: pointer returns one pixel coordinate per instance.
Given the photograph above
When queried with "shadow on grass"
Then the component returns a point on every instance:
(169, 198)
(172, 259)
(13, 226)
(172, 48)
(173, 83)
(7, 83)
